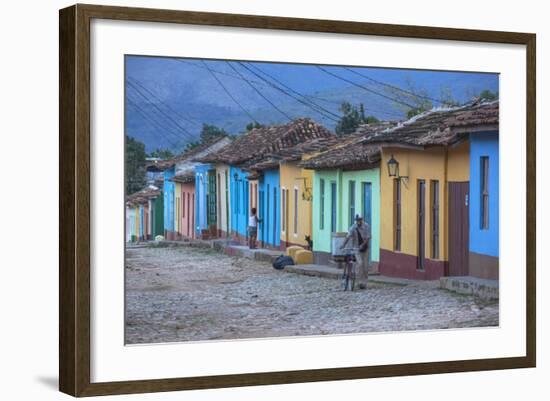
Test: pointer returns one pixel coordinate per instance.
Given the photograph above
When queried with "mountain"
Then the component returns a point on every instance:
(168, 100)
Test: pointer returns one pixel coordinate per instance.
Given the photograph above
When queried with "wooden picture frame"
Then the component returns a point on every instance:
(74, 199)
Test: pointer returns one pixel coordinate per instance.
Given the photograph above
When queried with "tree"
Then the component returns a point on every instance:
(486, 94)
(208, 133)
(352, 118)
(252, 125)
(163, 154)
(135, 165)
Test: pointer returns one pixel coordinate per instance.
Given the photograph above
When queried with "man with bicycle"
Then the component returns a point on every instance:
(359, 234)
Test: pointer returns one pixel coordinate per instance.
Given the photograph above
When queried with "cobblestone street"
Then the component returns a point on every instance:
(190, 294)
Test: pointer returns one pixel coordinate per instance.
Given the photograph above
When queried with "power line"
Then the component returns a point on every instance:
(393, 86)
(151, 122)
(189, 62)
(365, 88)
(160, 110)
(308, 103)
(260, 93)
(229, 94)
(188, 119)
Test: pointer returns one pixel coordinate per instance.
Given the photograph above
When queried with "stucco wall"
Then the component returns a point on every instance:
(371, 176)
(292, 177)
(429, 164)
(239, 201)
(270, 210)
(187, 226)
(201, 188)
(224, 215)
(169, 200)
(484, 241)
(458, 162)
(322, 233)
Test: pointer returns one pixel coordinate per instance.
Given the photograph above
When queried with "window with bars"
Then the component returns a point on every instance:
(485, 192)
(333, 207)
(351, 202)
(322, 205)
(435, 219)
(397, 214)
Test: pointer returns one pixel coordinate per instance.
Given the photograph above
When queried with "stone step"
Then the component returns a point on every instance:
(468, 285)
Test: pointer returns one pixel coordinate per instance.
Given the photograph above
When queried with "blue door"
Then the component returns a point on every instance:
(367, 210)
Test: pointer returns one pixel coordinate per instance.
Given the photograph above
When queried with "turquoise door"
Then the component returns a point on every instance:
(367, 210)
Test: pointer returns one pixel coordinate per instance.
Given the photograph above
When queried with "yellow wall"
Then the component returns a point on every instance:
(438, 163)
(459, 162)
(291, 178)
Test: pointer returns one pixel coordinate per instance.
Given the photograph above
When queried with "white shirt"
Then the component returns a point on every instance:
(252, 221)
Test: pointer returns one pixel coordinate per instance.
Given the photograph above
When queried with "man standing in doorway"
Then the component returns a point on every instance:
(359, 234)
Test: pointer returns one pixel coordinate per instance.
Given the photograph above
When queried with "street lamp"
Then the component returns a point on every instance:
(393, 168)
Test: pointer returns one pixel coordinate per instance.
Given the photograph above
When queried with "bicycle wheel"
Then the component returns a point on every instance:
(346, 277)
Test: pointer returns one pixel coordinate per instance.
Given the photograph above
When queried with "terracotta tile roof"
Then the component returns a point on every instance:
(294, 153)
(262, 141)
(351, 152)
(142, 196)
(442, 126)
(188, 154)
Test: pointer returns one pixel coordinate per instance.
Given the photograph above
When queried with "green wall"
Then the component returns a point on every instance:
(322, 236)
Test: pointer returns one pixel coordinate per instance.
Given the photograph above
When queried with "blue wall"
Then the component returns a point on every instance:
(201, 189)
(269, 208)
(169, 188)
(484, 241)
(238, 190)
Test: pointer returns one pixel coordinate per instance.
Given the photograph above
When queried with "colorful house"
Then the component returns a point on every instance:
(224, 200)
(206, 220)
(185, 204)
(169, 195)
(141, 214)
(346, 182)
(425, 190)
(484, 210)
(181, 205)
(247, 188)
(295, 192)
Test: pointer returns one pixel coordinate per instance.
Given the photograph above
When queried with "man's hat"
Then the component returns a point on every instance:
(358, 217)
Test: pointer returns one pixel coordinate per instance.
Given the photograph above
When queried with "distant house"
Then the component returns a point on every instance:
(346, 183)
(437, 168)
(181, 205)
(142, 212)
(262, 188)
(296, 184)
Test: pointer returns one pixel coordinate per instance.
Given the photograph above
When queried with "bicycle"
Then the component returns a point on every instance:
(349, 274)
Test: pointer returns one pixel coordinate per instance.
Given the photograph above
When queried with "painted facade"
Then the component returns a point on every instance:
(224, 200)
(169, 200)
(187, 215)
(269, 209)
(415, 219)
(338, 196)
(239, 191)
(484, 232)
(296, 204)
(205, 201)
